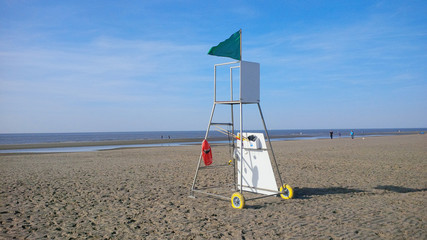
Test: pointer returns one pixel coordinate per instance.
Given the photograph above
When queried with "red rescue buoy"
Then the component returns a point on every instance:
(206, 153)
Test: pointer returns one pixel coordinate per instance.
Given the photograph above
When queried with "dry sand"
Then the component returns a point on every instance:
(345, 189)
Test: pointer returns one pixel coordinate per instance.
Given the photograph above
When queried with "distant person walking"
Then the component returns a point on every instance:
(352, 134)
(331, 134)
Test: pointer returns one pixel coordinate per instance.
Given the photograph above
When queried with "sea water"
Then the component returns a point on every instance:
(295, 134)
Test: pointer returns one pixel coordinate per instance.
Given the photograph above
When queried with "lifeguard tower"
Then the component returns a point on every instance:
(249, 152)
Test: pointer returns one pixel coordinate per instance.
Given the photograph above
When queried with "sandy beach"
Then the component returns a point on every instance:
(372, 188)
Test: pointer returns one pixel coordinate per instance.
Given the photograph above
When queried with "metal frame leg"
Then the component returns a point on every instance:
(271, 146)
(200, 158)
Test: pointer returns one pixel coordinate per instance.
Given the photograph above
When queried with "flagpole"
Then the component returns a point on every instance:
(241, 45)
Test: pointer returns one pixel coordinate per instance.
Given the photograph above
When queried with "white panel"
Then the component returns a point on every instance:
(249, 89)
(257, 170)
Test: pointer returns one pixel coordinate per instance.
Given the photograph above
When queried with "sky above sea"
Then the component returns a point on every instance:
(110, 66)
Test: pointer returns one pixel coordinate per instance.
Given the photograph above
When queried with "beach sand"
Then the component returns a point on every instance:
(372, 188)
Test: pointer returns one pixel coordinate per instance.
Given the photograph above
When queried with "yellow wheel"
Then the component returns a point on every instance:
(237, 200)
(286, 192)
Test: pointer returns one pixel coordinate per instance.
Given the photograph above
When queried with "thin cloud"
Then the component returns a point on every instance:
(347, 50)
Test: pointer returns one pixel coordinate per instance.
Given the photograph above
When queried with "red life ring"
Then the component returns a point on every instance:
(206, 153)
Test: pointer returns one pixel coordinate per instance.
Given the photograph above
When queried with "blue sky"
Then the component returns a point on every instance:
(78, 66)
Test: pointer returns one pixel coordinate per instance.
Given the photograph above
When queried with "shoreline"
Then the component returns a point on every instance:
(127, 143)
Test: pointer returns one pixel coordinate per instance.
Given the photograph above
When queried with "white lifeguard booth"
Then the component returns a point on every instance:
(253, 169)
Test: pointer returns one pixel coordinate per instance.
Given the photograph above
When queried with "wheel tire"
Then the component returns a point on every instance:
(286, 192)
(237, 200)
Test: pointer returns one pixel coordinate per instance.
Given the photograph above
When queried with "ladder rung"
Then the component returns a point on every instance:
(228, 124)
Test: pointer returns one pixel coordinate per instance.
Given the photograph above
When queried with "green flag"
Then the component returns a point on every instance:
(228, 48)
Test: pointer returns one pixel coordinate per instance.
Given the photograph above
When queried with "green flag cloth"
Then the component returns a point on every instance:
(228, 48)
